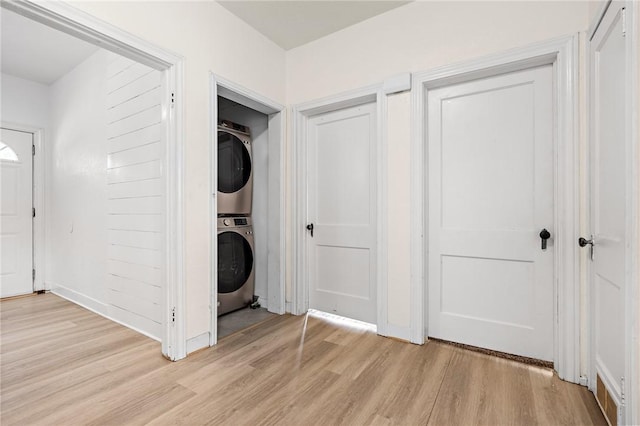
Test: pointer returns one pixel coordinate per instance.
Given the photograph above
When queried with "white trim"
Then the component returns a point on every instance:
(382, 246)
(562, 53)
(198, 342)
(630, 412)
(401, 333)
(92, 305)
(39, 222)
(633, 288)
(593, 26)
(220, 86)
(86, 27)
(632, 320)
(297, 157)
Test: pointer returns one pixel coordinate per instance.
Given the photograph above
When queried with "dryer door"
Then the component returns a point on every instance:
(234, 163)
(235, 261)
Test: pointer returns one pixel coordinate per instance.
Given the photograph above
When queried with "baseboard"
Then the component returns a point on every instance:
(199, 342)
(91, 304)
(263, 302)
(397, 332)
(83, 300)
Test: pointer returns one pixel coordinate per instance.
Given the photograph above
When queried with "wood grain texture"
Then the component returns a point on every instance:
(61, 364)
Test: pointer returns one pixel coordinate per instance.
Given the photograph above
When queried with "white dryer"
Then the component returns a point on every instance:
(235, 177)
(235, 263)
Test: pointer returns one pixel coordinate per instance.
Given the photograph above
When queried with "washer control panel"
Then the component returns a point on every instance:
(241, 221)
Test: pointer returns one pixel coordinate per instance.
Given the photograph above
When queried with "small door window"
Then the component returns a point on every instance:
(234, 163)
(7, 153)
(235, 261)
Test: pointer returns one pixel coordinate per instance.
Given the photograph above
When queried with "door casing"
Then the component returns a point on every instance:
(300, 114)
(220, 86)
(561, 54)
(93, 30)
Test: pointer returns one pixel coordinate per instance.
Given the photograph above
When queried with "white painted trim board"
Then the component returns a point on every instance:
(92, 305)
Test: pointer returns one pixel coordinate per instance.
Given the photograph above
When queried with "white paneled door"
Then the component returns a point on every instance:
(490, 205)
(16, 233)
(341, 158)
(608, 200)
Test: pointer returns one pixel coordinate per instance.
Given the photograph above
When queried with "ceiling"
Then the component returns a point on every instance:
(35, 52)
(292, 23)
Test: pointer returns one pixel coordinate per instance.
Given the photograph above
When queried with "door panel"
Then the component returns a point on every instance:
(341, 197)
(490, 194)
(16, 232)
(608, 201)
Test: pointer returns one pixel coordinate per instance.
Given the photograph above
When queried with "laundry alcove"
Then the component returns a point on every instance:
(265, 119)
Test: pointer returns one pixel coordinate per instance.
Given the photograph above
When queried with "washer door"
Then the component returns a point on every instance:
(235, 261)
(234, 163)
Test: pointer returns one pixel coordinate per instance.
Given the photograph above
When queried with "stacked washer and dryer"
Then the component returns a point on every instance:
(236, 279)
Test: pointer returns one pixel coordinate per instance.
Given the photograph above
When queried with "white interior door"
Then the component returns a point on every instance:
(341, 158)
(491, 194)
(608, 200)
(16, 233)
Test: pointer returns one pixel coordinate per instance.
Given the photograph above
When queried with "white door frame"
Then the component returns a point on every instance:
(93, 30)
(220, 86)
(632, 275)
(561, 53)
(298, 154)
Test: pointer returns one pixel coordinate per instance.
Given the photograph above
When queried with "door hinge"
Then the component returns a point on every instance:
(173, 99)
(622, 396)
(624, 21)
(173, 315)
(33, 274)
(33, 212)
(33, 150)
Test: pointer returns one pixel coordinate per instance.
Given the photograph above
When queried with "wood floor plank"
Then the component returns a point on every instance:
(61, 364)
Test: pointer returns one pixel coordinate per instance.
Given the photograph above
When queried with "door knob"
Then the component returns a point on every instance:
(310, 228)
(582, 242)
(544, 236)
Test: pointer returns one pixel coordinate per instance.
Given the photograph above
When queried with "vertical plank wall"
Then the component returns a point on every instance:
(135, 195)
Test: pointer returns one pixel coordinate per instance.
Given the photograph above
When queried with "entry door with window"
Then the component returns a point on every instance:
(341, 236)
(490, 213)
(609, 228)
(16, 202)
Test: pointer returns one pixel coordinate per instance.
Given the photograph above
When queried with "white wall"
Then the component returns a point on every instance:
(420, 36)
(135, 195)
(211, 39)
(417, 37)
(76, 191)
(258, 123)
(24, 102)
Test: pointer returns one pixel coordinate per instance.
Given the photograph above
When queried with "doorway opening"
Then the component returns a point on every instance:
(247, 209)
(142, 169)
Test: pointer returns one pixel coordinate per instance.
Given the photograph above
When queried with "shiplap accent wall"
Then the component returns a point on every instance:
(135, 195)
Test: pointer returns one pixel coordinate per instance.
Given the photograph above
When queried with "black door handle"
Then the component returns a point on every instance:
(583, 241)
(544, 236)
(310, 228)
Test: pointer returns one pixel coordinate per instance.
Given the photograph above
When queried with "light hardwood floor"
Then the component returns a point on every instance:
(63, 365)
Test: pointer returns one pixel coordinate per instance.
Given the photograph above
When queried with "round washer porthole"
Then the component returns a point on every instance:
(235, 261)
(234, 163)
